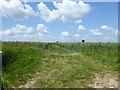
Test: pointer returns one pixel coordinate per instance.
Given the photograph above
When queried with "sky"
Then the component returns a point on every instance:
(66, 21)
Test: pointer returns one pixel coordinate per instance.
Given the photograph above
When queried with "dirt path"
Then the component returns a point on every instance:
(106, 81)
(31, 83)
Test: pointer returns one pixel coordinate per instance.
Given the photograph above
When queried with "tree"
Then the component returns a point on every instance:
(83, 40)
(57, 41)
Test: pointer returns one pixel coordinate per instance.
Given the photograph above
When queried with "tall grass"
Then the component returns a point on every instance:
(21, 60)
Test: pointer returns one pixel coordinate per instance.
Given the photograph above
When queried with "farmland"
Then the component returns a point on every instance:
(59, 65)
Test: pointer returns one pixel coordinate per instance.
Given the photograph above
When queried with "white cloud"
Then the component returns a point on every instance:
(22, 33)
(40, 34)
(108, 28)
(95, 32)
(72, 9)
(6, 32)
(78, 21)
(68, 9)
(106, 38)
(105, 27)
(80, 28)
(26, 37)
(34, 35)
(18, 30)
(86, 37)
(116, 32)
(65, 34)
(16, 10)
(63, 19)
(46, 14)
(76, 35)
(25, 33)
(42, 28)
(25, 1)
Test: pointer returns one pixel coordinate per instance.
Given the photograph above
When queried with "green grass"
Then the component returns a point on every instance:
(59, 64)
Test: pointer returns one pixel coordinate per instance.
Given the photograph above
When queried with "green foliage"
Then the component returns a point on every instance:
(19, 62)
(59, 64)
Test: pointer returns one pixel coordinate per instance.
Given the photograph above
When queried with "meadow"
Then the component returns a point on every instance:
(57, 65)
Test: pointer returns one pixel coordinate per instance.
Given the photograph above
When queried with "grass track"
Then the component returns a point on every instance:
(59, 64)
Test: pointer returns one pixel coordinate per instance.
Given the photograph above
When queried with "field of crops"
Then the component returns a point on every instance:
(57, 65)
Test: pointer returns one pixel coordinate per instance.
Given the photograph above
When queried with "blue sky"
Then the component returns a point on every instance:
(65, 22)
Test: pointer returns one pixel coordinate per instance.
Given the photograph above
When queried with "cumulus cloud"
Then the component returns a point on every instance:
(33, 35)
(72, 9)
(86, 37)
(66, 9)
(105, 27)
(106, 37)
(18, 29)
(95, 32)
(78, 21)
(116, 32)
(16, 10)
(22, 33)
(112, 30)
(65, 34)
(63, 19)
(80, 28)
(76, 35)
(42, 28)
(25, 1)
(40, 34)
(47, 14)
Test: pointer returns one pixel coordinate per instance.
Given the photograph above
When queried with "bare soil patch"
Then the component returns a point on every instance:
(105, 81)
(31, 83)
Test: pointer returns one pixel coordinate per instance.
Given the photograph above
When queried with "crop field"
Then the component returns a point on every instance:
(59, 65)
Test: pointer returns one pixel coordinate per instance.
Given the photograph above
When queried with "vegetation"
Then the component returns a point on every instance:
(58, 64)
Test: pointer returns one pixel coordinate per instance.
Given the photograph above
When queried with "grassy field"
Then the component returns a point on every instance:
(57, 65)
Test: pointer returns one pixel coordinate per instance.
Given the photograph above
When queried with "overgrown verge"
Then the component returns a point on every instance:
(19, 63)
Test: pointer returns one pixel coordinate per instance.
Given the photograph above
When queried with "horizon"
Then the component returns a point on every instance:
(60, 42)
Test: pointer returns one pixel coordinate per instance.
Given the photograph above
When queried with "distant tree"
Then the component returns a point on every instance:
(108, 42)
(83, 40)
(57, 41)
